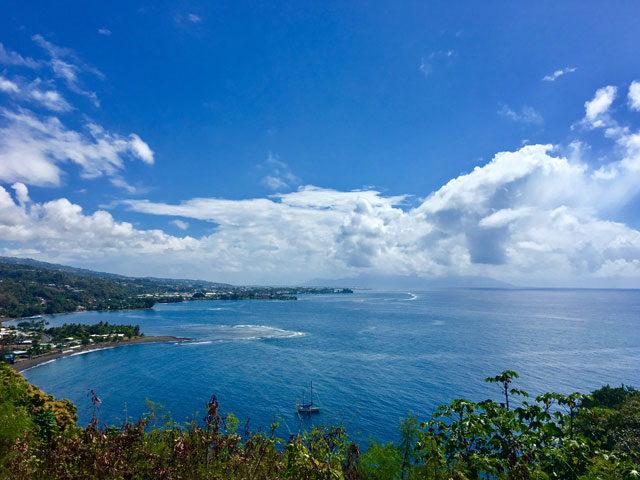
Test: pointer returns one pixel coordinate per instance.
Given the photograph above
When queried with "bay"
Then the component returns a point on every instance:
(373, 357)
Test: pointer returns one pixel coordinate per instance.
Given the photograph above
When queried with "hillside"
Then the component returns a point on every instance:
(29, 287)
(110, 276)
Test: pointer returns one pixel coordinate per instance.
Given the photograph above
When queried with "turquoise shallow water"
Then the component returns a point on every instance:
(373, 356)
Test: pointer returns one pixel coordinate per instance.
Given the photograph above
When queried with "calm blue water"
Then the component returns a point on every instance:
(373, 356)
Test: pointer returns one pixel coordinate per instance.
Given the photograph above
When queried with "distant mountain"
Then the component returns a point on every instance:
(107, 276)
(408, 282)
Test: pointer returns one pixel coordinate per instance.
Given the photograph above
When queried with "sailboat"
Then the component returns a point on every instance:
(307, 407)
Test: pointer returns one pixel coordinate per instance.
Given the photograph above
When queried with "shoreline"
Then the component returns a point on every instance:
(44, 315)
(23, 365)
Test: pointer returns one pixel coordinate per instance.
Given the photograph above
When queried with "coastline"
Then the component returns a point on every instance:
(43, 315)
(22, 365)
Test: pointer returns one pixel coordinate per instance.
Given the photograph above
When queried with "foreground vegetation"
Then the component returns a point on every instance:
(554, 436)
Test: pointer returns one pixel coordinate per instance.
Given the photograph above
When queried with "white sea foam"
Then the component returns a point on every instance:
(249, 332)
(89, 351)
(412, 297)
(39, 364)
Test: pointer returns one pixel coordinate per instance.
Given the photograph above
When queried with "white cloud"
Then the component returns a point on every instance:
(9, 57)
(513, 218)
(60, 226)
(527, 115)
(558, 73)
(279, 176)
(192, 17)
(182, 225)
(32, 148)
(425, 67)
(634, 95)
(8, 86)
(22, 193)
(274, 183)
(428, 63)
(38, 92)
(104, 31)
(51, 99)
(596, 110)
(141, 149)
(67, 66)
(530, 216)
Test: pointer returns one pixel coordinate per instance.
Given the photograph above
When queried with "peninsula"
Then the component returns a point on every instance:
(29, 288)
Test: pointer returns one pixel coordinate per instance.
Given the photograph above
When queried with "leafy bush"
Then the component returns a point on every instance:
(554, 436)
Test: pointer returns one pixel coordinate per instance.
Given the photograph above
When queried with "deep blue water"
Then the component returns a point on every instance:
(373, 356)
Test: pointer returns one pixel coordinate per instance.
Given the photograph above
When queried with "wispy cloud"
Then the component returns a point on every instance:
(558, 73)
(527, 115)
(35, 92)
(50, 99)
(181, 18)
(279, 176)
(8, 86)
(9, 57)
(104, 31)
(429, 63)
(67, 66)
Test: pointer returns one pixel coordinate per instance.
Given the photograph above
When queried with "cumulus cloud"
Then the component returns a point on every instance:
(634, 95)
(62, 227)
(22, 193)
(530, 216)
(32, 148)
(558, 73)
(512, 218)
(596, 109)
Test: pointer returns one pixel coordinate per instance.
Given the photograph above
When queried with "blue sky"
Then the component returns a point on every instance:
(271, 142)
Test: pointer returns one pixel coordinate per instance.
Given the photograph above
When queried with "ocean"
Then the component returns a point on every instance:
(373, 357)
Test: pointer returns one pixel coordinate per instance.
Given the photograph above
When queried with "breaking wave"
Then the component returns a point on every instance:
(248, 332)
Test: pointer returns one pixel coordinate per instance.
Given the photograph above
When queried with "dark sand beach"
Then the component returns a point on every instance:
(23, 364)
